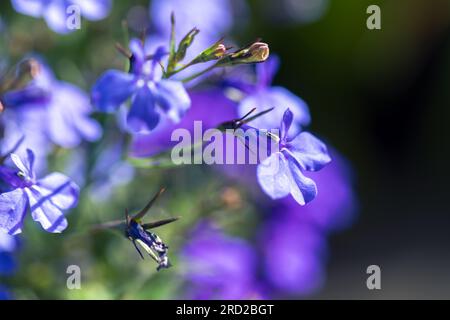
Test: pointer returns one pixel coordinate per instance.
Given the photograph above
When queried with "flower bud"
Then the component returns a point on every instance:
(214, 52)
(256, 52)
(185, 43)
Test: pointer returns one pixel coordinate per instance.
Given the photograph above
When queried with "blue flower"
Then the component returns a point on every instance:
(150, 94)
(294, 253)
(220, 266)
(281, 174)
(55, 11)
(263, 96)
(62, 107)
(46, 198)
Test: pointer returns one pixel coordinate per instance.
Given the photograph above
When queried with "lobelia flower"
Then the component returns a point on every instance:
(46, 198)
(150, 95)
(219, 266)
(263, 96)
(62, 107)
(56, 12)
(294, 253)
(281, 174)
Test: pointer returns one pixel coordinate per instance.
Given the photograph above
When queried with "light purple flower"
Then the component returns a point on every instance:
(281, 174)
(150, 95)
(46, 198)
(219, 266)
(47, 111)
(263, 96)
(210, 106)
(294, 254)
(55, 12)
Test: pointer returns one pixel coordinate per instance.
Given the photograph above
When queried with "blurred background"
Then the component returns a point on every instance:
(379, 98)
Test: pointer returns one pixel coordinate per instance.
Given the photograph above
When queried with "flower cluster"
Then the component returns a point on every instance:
(57, 141)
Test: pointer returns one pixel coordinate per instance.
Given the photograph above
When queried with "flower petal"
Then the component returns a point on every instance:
(266, 71)
(13, 206)
(310, 152)
(32, 8)
(44, 211)
(278, 98)
(302, 189)
(55, 15)
(25, 166)
(94, 10)
(68, 117)
(286, 123)
(273, 176)
(172, 97)
(60, 190)
(112, 89)
(142, 116)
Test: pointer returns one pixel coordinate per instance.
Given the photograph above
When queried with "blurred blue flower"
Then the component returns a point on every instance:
(47, 198)
(62, 107)
(213, 17)
(219, 266)
(281, 174)
(4, 294)
(8, 244)
(294, 254)
(145, 145)
(335, 206)
(55, 11)
(263, 96)
(150, 94)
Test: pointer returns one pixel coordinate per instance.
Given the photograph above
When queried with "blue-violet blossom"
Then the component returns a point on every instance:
(47, 198)
(56, 12)
(281, 174)
(150, 94)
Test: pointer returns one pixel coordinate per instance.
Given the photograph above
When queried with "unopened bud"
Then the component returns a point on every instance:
(215, 52)
(259, 52)
(185, 43)
(1, 107)
(256, 52)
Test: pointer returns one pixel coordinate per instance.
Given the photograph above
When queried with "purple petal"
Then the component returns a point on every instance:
(60, 190)
(13, 206)
(69, 121)
(310, 152)
(25, 166)
(274, 177)
(266, 71)
(55, 15)
(278, 98)
(94, 9)
(142, 116)
(303, 189)
(32, 8)
(286, 123)
(44, 211)
(172, 98)
(112, 89)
